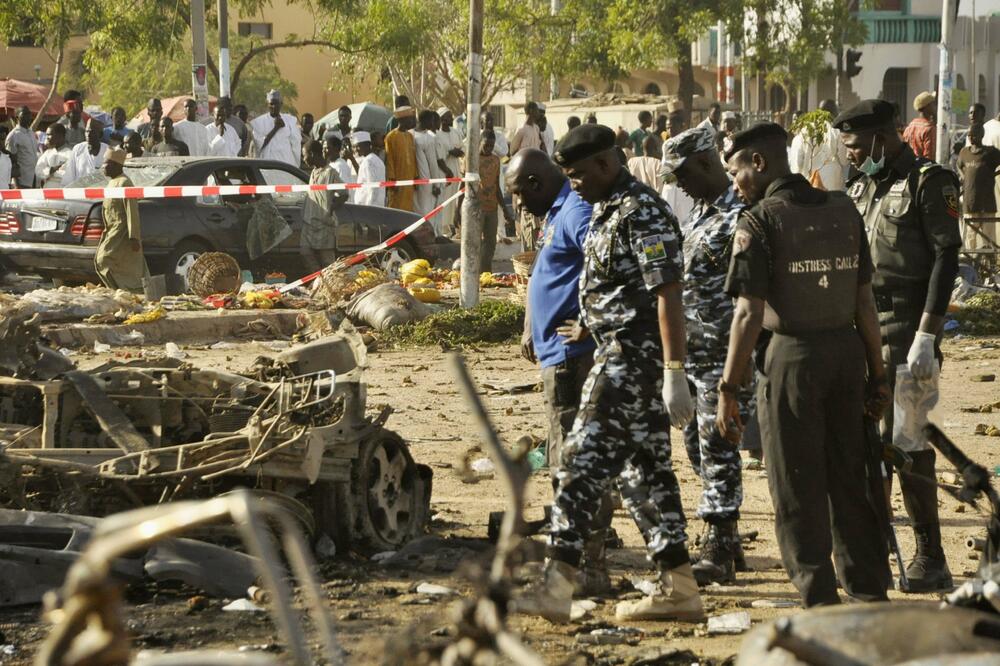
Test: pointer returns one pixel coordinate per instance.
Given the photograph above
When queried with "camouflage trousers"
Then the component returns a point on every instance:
(621, 433)
(715, 461)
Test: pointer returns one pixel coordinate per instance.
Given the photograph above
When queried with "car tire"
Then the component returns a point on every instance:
(178, 263)
(396, 256)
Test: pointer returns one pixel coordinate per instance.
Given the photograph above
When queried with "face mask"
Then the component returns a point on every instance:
(870, 167)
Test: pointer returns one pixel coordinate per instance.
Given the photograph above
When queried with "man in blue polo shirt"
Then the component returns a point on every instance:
(551, 336)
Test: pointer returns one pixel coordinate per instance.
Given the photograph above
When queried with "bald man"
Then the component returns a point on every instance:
(553, 306)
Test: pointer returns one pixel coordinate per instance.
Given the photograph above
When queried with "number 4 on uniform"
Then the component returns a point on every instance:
(824, 282)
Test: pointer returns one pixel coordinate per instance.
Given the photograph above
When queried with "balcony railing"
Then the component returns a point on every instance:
(902, 29)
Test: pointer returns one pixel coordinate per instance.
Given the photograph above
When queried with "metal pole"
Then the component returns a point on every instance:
(555, 6)
(472, 215)
(199, 68)
(973, 86)
(945, 83)
(720, 62)
(223, 48)
(730, 79)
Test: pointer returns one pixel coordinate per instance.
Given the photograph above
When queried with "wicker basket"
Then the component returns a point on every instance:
(523, 263)
(214, 273)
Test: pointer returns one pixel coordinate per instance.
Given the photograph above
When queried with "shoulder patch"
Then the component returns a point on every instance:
(950, 195)
(741, 240)
(653, 248)
(857, 189)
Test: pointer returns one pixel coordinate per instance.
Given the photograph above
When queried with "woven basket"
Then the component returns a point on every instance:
(214, 273)
(523, 263)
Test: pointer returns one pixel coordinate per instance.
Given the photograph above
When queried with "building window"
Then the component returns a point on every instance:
(257, 29)
(894, 88)
(499, 113)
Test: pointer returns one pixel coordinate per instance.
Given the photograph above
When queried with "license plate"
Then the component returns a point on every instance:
(43, 224)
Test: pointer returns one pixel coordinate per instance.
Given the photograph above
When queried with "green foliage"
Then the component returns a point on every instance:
(814, 125)
(492, 321)
(129, 78)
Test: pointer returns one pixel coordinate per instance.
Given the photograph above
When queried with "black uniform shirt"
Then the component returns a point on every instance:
(911, 213)
(750, 269)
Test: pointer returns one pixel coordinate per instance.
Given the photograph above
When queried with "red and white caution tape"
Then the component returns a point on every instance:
(174, 191)
(363, 255)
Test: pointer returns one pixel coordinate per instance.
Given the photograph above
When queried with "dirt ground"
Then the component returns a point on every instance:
(371, 602)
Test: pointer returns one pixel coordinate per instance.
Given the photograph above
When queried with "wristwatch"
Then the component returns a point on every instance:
(731, 389)
(675, 365)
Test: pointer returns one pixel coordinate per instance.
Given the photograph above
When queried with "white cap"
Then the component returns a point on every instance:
(360, 137)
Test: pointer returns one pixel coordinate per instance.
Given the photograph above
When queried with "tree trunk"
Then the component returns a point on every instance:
(685, 72)
(56, 73)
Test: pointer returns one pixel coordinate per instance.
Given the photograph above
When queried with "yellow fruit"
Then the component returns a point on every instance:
(486, 279)
(426, 294)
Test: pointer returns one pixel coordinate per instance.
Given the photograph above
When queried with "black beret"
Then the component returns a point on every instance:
(750, 136)
(869, 114)
(582, 142)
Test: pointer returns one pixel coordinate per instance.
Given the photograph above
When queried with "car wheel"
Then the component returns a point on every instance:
(390, 262)
(179, 263)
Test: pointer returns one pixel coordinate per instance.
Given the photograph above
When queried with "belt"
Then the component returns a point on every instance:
(901, 301)
(883, 302)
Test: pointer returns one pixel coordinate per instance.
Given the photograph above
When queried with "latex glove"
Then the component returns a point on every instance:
(923, 364)
(677, 398)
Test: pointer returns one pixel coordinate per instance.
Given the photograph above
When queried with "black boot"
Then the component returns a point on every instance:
(928, 571)
(716, 563)
(739, 559)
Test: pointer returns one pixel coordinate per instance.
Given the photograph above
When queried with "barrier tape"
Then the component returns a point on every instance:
(363, 255)
(175, 191)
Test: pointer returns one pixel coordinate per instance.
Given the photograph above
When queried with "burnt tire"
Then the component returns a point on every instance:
(387, 500)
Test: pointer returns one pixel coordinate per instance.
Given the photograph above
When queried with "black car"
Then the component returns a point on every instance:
(58, 239)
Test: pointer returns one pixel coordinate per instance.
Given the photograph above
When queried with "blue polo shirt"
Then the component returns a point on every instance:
(553, 292)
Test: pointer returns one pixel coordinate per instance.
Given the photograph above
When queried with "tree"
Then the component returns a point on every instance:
(48, 24)
(160, 26)
(138, 74)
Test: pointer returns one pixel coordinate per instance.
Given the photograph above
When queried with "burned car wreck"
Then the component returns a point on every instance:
(292, 428)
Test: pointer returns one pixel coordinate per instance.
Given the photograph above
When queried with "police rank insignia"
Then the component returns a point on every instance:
(652, 248)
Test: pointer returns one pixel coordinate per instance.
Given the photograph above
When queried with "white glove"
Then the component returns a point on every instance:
(923, 364)
(677, 398)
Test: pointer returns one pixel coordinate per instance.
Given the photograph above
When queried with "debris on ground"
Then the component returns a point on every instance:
(69, 303)
(385, 306)
(988, 430)
(492, 322)
(729, 623)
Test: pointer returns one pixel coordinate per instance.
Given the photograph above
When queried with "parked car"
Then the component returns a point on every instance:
(58, 239)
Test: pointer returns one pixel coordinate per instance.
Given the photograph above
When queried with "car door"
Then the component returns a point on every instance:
(225, 217)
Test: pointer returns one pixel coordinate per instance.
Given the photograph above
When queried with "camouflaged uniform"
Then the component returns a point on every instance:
(708, 310)
(622, 428)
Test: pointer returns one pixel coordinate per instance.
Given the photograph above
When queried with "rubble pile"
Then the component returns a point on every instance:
(980, 314)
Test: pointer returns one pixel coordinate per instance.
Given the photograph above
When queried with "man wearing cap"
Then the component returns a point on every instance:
(910, 207)
(150, 131)
(691, 159)
(87, 157)
(72, 120)
(370, 170)
(276, 135)
(401, 158)
(119, 260)
(921, 133)
(450, 148)
(800, 269)
(630, 302)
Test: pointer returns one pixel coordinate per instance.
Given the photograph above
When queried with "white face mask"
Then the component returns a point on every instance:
(870, 167)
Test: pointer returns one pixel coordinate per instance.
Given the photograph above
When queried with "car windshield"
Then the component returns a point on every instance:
(141, 176)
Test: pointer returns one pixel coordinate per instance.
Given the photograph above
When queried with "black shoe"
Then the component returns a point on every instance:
(716, 564)
(928, 571)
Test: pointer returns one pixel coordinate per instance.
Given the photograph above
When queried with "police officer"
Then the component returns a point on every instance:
(910, 207)
(691, 159)
(630, 301)
(801, 269)
(553, 302)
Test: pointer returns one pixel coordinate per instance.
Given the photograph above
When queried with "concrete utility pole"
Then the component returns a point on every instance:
(730, 79)
(199, 68)
(720, 62)
(945, 83)
(223, 48)
(555, 6)
(472, 214)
